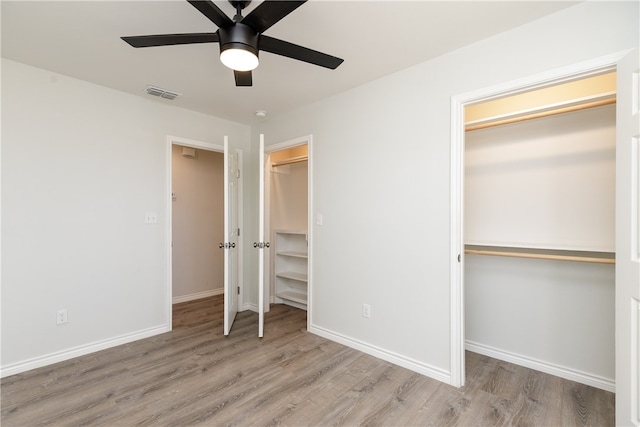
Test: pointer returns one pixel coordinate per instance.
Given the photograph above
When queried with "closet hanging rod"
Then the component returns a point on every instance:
(546, 111)
(575, 258)
(290, 161)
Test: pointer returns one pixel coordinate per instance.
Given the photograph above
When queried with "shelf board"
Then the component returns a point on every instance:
(548, 254)
(290, 161)
(297, 232)
(293, 296)
(301, 277)
(294, 254)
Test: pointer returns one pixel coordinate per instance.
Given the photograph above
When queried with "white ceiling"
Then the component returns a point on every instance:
(375, 38)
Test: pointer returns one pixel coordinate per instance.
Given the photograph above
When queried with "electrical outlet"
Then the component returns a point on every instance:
(366, 310)
(61, 316)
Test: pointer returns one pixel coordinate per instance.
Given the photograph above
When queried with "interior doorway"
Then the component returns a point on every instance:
(197, 223)
(459, 103)
(287, 223)
(190, 149)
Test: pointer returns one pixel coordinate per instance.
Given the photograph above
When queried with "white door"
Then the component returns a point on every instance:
(261, 244)
(628, 242)
(230, 245)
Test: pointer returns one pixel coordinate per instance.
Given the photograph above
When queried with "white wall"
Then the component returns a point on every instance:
(381, 179)
(198, 223)
(288, 197)
(557, 316)
(545, 183)
(81, 164)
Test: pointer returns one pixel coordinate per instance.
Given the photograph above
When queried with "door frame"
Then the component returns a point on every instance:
(458, 102)
(186, 142)
(302, 140)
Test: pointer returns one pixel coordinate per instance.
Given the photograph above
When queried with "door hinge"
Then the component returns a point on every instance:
(237, 173)
(459, 258)
(238, 290)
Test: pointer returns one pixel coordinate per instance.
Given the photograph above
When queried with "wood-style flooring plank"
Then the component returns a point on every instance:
(194, 375)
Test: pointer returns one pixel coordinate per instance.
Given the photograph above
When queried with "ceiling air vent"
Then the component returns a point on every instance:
(162, 93)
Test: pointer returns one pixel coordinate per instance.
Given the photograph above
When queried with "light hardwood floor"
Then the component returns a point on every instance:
(195, 375)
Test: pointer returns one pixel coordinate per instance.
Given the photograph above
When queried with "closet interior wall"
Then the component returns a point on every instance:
(197, 223)
(544, 186)
(288, 216)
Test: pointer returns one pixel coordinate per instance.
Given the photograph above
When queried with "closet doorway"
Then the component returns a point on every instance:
(287, 218)
(626, 168)
(197, 217)
(539, 221)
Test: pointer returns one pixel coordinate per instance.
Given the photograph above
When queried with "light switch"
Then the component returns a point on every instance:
(319, 219)
(150, 218)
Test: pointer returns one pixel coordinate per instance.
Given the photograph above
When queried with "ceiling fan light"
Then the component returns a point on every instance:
(239, 59)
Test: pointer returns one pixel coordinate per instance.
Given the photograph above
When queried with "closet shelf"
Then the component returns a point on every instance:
(548, 254)
(293, 254)
(290, 161)
(543, 111)
(298, 297)
(301, 277)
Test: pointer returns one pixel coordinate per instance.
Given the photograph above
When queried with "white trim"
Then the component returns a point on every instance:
(251, 307)
(568, 73)
(197, 295)
(240, 213)
(391, 357)
(261, 239)
(310, 225)
(457, 367)
(564, 74)
(59, 356)
(581, 377)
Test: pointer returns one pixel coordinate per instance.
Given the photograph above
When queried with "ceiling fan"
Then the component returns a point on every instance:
(241, 38)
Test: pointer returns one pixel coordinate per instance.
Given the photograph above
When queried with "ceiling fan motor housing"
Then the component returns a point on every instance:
(238, 36)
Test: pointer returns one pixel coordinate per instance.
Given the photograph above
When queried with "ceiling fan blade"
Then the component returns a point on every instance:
(170, 39)
(243, 78)
(269, 12)
(211, 11)
(290, 50)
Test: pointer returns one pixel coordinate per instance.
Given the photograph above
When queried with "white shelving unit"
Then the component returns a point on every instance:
(291, 267)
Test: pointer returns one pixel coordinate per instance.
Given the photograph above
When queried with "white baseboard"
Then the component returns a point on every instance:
(197, 295)
(380, 353)
(546, 367)
(59, 356)
(250, 306)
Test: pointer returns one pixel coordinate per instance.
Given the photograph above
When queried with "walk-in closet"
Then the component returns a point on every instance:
(539, 229)
(287, 182)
